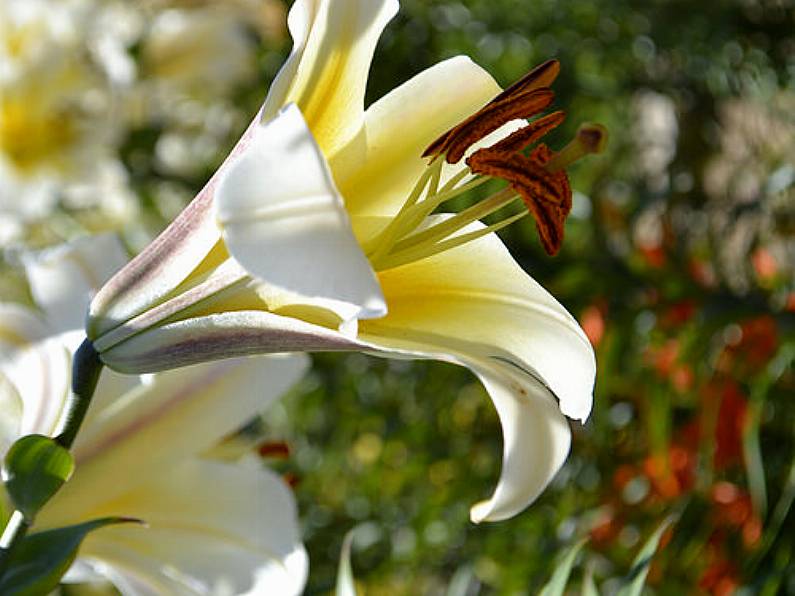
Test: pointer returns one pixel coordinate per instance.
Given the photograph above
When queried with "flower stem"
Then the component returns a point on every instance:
(86, 368)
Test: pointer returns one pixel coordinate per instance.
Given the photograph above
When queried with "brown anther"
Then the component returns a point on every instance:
(550, 222)
(542, 75)
(547, 195)
(521, 171)
(538, 178)
(274, 449)
(517, 101)
(524, 137)
(551, 233)
(291, 479)
(490, 118)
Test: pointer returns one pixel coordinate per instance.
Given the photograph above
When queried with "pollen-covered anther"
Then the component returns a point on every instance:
(542, 75)
(522, 172)
(492, 117)
(526, 136)
(524, 99)
(547, 195)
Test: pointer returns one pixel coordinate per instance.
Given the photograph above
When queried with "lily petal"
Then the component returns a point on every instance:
(284, 221)
(213, 528)
(326, 72)
(475, 306)
(377, 171)
(219, 336)
(537, 440)
(64, 278)
(144, 431)
(477, 293)
(11, 418)
(167, 261)
(36, 365)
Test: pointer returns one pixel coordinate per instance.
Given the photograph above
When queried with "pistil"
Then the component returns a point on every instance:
(590, 138)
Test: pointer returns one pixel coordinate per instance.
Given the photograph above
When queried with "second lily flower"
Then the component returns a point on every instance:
(318, 233)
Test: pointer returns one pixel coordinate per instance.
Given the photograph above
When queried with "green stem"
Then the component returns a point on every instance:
(86, 368)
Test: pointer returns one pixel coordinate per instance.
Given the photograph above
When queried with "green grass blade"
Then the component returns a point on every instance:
(560, 577)
(636, 578)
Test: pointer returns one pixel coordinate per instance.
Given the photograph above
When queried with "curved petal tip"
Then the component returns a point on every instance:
(536, 443)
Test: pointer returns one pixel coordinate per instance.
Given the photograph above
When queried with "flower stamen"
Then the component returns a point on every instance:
(524, 137)
(494, 116)
(538, 177)
(491, 117)
(387, 237)
(542, 75)
(424, 251)
(538, 79)
(546, 195)
(524, 173)
(450, 226)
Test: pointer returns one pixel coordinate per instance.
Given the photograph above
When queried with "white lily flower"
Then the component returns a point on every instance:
(317, 233)
(213, 527)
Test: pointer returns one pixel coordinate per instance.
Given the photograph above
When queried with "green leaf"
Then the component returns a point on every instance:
(5, 512)
(345, 582)
(462, 582)
(34, 470)
(560, 577)
(588, 584)
(41, 559)
(636, 578)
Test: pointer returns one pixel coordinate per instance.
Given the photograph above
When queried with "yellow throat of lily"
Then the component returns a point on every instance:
(537, 176)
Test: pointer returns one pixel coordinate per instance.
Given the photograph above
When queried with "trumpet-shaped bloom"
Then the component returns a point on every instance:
(213, 527)
(321, 232)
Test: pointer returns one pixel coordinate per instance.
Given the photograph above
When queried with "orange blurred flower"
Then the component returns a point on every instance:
(720, 578)
(733, 509)
(765, 264)
(672, 473)
(730, 425)
(592, 321)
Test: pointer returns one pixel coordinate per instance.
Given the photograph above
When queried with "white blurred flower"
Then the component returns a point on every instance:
(266, 17)
(57, 125)
(198, 51)
(214, 527)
